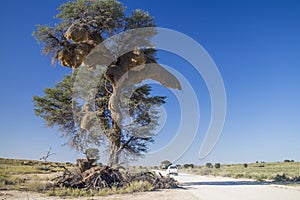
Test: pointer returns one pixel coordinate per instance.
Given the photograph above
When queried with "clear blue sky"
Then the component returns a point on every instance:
(255, 44)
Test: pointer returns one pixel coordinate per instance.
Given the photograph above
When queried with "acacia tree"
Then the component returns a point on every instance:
(81, 26)
(57, 109)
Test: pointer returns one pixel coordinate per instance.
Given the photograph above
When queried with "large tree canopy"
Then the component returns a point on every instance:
(81, 26)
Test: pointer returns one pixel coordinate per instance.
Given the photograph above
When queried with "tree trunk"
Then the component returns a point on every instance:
(114, 155)
(114, 146)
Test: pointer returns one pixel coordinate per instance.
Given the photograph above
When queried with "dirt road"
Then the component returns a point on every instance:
(195, 188)
(215, 188)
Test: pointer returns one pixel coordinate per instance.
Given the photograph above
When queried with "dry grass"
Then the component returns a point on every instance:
(256, 171)
(27, 174)
(36, 176)
(138, 186)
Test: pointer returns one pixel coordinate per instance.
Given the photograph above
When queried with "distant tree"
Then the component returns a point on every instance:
(188, 166)
(286, 161)
(165, 164)
(217, 165)
(209, 165)
(245, 165)
(92, 154)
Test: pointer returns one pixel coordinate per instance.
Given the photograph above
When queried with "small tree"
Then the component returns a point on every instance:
(209, 165)
(92, 154)
(188, 166)
(245, 165)
(165, 164)
(217, 165)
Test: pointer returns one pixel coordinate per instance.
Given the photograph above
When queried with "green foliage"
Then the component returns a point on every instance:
(138, 19)
(81, 26)
(217, 165)
(209, 165)
(92, 153)
(188, 166)
(288, 161)
(102, 17)
(107, 15)
(57, 109)
(56, 106)
(164, 164)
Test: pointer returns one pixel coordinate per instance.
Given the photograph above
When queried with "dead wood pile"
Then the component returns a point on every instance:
(98, 177)
(158, 181)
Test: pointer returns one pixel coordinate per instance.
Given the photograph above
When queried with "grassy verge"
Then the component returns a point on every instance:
(256, 171)
(137, 186)
(28, 174)
(36, 176)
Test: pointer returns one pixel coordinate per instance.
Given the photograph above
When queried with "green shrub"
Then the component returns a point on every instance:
(209, 165)
(137, 186)
(165, 164)
(188, 166)
(217, 165)
(205, 172)
(72, 192)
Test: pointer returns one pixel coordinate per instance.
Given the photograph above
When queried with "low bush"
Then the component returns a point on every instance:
(137, 186)
(209, 165)
(217, 165)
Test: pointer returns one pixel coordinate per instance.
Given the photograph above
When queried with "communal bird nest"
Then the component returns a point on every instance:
(81, 40)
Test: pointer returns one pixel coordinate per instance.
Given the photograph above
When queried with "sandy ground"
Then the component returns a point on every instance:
(193, 188)
(177, 194)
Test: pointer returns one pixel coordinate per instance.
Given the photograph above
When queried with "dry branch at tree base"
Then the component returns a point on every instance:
(159, 182)
(98, 177)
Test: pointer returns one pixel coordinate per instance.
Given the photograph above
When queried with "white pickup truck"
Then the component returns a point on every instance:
(172, 169)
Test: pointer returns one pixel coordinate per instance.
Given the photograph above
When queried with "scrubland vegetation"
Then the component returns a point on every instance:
(260, 171)
(37, 176)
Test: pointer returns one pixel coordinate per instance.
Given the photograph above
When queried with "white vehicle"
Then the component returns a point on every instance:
(172, 169)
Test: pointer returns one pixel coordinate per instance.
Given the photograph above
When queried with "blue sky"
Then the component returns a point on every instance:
(255, 44)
